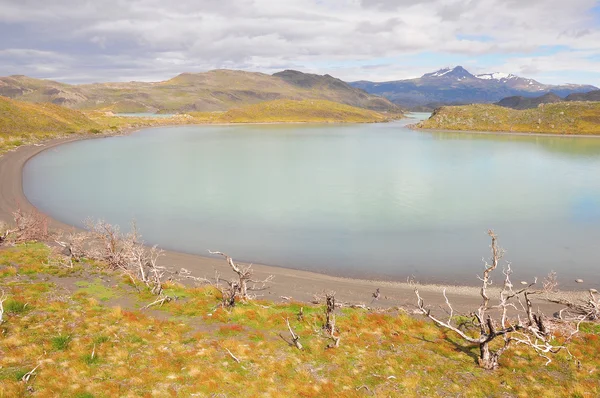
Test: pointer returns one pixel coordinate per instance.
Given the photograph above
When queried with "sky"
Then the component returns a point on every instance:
(80, 41)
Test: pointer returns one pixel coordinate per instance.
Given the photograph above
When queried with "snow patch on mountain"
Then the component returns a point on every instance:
(496, 76)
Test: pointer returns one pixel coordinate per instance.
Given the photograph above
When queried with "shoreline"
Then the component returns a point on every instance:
(299, 285)
(515, 133)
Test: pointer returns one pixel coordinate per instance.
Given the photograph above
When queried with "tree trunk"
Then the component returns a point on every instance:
(487, 359)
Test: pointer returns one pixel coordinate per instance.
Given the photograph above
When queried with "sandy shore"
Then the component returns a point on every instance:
(296, 284)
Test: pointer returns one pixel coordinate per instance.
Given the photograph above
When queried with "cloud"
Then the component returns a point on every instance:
(154, 40)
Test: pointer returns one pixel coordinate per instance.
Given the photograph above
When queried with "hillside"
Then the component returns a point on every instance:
(24, 123)
(217, 90)
(459, 86)
(590, 96)
(519, 102)
(21, 122)
(293, 111)
(558, 118)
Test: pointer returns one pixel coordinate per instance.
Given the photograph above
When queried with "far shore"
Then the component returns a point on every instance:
(288, 284)
(516, 133)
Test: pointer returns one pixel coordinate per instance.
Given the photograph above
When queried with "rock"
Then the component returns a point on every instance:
(579, 280)
(524, 283)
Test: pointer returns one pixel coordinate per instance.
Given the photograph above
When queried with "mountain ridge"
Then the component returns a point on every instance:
(216, 90)
(459, 86)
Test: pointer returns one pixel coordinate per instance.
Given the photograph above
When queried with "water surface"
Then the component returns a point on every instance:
(375, 200)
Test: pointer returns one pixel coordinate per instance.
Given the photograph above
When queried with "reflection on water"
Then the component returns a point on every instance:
(376, 200)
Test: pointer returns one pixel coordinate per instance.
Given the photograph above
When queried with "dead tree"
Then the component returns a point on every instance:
(240, 288)
(73, 246)
(534, 332)
(32, 226)
(3, 298)
(329, 325)
(127, 253)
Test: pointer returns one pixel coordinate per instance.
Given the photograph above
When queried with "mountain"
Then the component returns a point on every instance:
(519, 102)
(458, 86)
(217, 90)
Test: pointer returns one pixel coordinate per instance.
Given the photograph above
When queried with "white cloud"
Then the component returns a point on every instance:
(152, 39)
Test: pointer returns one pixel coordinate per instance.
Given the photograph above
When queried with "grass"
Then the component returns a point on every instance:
(87, 347)
(23, 123)
(289, 111)
(568, 118)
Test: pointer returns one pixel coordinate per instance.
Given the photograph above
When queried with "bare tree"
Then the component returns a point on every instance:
(239, 289)
(534, 332)
(329, 325)
(32, 226)
(73, 245)
(127, 253)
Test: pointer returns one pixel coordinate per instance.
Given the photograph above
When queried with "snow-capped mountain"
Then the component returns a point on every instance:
(458, 86)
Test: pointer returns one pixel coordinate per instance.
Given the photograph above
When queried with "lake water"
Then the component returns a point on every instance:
(372, 200)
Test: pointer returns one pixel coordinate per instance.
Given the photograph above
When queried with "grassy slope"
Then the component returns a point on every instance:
(216, 90)
(181, 349)
(26, 123)
(293, 111)
(22, 122)
(559, 118)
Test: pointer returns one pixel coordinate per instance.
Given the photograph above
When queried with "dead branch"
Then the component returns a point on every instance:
(295, 338)
(580, 310)
(30, 374)
(3, 298)
(231, 355)
(160, 301)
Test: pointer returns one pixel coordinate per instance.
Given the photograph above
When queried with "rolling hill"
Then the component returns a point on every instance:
(559, 118)
(217, 90)
(289, 111)
(459, 86)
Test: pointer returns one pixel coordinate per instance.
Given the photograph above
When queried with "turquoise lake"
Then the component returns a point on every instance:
(374, 201)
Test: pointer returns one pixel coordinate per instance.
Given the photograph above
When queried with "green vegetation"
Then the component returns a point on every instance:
(23, 123)
(559, 118)
(286, 111)
(89, 348)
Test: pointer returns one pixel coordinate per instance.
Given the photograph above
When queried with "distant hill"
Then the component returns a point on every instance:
(217, 90)
(518, 102)
(572, 117)
(591, 96)
(457, 85)
(286, 111)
